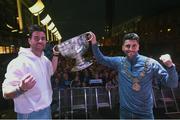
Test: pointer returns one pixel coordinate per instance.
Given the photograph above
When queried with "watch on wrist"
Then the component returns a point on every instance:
(56, 55)
(19, 91)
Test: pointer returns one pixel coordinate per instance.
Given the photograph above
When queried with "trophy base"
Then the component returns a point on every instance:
(81, 66)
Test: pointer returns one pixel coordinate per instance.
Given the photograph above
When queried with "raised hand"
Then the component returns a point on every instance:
(27, 82)
(166, 59)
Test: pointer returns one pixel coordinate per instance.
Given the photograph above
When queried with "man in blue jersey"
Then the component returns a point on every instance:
(135, 76)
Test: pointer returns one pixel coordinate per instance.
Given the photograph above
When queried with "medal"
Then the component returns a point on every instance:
(136, 86)
(136, 79)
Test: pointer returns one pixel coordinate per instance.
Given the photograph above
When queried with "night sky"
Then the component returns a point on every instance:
(74, 17)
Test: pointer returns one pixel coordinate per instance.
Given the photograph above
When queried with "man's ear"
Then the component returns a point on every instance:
(138, 46)
(122, 48)
(29, 40)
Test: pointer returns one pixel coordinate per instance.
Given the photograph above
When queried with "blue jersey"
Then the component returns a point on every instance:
(141, 70)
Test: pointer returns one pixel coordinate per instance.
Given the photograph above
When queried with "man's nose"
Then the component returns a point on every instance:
(40, 40)
(130, 47)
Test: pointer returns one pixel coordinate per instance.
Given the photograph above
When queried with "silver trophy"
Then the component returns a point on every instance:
(74, 48)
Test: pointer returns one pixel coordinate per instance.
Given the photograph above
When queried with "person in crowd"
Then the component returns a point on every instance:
(27, 80)
(112, 82)
(56, 80)
(135, 76)
(86, 78)
(66, 81)
(76, 82)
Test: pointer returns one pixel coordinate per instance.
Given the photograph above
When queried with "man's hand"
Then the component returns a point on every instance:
(27, 82)
(166, 59)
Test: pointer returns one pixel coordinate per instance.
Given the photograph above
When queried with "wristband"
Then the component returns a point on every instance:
(56, 55)
(171, 66)
(19, 91)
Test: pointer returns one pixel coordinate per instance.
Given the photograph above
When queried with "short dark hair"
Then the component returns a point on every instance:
(131, 36)
(36, 27)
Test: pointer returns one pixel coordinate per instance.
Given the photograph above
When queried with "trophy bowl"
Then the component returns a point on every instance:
(74, 48)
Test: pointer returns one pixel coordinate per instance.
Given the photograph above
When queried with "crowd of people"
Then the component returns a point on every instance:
(65, 78)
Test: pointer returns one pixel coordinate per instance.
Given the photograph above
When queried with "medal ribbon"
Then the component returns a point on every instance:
(142, 73)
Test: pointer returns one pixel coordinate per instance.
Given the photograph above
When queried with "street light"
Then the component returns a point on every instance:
(20, 21)
(45, 22)
(57, 35)
(54, 30)
(37, 9)
(51, 26)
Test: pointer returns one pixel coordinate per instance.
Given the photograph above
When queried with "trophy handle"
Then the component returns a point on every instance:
(89, 36)
(56, 50)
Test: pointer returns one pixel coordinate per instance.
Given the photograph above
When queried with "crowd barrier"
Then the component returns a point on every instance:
(68, 101)
(84, 98)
